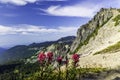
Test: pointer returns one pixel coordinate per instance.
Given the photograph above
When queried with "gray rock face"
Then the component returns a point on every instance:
(86, 30)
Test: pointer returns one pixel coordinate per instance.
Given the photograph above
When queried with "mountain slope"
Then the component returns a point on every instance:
(2, 50)
(22, 51)
(58, 48)
(16, 53)
(98, 35)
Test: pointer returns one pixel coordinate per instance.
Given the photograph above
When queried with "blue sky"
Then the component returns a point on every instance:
(28, 21)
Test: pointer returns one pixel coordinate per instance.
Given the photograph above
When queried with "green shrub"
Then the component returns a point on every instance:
(118, 10)
(117, 20)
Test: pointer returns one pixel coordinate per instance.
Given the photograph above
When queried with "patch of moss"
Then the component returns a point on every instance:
(117, 20)
(93, 34)
(112, 48)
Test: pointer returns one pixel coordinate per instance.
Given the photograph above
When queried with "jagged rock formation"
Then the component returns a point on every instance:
(88, 29)
(98, 40)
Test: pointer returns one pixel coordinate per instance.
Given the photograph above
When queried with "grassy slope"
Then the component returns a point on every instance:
(113, 48)
(117, 20)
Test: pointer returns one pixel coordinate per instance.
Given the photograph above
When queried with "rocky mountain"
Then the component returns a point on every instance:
(21, 52)
(85, 32)
(98, 41)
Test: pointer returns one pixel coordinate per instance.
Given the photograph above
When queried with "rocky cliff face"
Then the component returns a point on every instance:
(87, 30)
(98, 41)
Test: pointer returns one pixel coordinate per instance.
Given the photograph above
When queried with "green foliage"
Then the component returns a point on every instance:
(117, 20)
(16, 53)
(93, 34)
(110, 49)
(72, 74)
(17, 71)
(93, 70)
(20, 71)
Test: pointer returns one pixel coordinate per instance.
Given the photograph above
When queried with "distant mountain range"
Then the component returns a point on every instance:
(23, 51)
(2, 50)
(66, 40)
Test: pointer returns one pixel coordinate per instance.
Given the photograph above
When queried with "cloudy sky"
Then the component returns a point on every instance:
(28, 21)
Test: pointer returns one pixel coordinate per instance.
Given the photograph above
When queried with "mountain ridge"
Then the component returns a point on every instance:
(21, 52)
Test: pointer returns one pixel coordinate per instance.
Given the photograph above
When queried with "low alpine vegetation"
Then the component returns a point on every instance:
(48, 60)
(117, 20)
(110, 49)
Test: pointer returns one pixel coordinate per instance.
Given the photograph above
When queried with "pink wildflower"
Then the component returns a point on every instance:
(75, 58)
(59, 59)
(50, 56)
(41, 57)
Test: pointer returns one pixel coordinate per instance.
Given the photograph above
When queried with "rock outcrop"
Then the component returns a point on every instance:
(88, 29)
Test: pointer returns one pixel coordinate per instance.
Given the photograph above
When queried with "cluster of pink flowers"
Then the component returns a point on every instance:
(75, 58)
(42, 57)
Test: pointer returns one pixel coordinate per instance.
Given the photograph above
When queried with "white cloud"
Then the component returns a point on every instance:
(27, 34)
(18, 2)
(87, 8)
(71, 11)
(23, 2)
(31, 29)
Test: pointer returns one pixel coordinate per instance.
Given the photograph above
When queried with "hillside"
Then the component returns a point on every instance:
(21, 52)
(98, 40)
(57, 47)
(2, 50)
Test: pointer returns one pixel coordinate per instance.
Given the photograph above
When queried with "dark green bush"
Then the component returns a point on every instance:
(117, 20)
